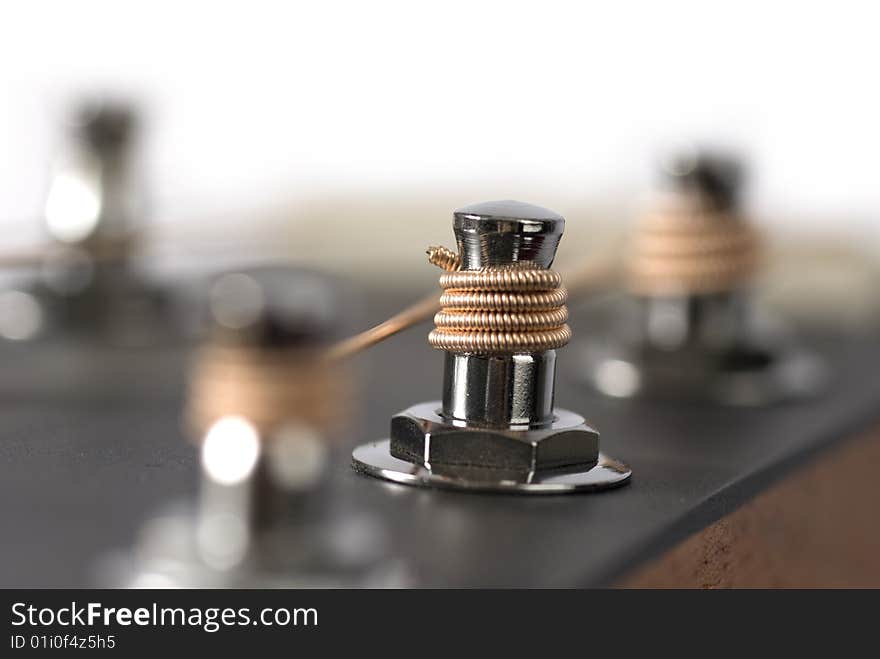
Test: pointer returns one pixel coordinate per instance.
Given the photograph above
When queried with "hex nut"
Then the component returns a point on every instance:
(420, 435)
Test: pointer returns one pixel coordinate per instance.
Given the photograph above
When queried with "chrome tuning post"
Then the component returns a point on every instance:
(502, 318)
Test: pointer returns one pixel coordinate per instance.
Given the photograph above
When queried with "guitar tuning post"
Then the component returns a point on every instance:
(689, 329)
(264, 407)
(87, 285)
(502, 318)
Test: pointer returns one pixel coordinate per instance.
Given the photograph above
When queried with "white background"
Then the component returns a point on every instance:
(253, 101)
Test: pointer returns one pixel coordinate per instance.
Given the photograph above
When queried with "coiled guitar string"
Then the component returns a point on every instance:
(691, 251)
(516, 308)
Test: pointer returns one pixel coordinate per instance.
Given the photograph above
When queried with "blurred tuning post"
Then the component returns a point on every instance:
(264, 408)
(85, 284)
(691, 331)
(94, 198)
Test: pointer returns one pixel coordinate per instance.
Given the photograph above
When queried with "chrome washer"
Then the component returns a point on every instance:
(375, 460)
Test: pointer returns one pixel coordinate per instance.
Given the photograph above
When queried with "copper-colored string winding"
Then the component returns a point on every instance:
(269, 387)
(691, 251)
(503, 309)
(599, 273)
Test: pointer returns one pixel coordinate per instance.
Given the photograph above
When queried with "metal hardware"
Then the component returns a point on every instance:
(688, 329)
(496, 428)
(263, 408)
(86, 285)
